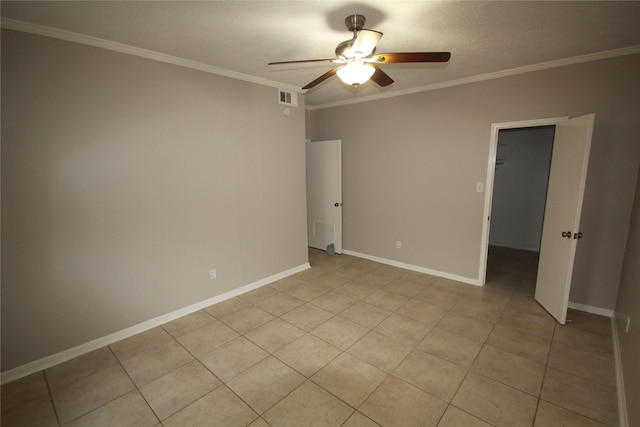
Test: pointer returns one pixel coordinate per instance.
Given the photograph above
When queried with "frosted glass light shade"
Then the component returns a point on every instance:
(355, 73)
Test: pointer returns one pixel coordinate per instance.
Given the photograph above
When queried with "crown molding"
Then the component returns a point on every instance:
(27, 27)
(490, 76)
(42, 30)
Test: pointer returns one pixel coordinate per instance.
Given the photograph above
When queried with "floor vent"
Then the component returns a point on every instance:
(287, 98)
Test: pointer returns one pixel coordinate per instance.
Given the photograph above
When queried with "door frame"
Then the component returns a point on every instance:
(491, 171)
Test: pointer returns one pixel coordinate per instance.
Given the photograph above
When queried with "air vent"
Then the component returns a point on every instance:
(287, 98)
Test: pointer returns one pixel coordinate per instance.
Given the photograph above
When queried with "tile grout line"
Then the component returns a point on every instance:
(50, 391)
(137, 389)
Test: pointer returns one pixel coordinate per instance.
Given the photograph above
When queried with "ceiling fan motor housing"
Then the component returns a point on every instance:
(343, 49)
(354, 23)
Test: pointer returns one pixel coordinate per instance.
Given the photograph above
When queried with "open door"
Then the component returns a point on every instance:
(561, 230)
(324, 194)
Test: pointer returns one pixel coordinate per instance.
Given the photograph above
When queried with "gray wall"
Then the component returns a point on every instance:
(520, 187)
(124, 180)
(411, 165)
(628, 306)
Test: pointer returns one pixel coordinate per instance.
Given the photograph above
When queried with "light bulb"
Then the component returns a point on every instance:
(356, 72)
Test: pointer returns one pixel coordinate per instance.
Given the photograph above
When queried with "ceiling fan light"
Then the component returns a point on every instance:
(355, 73)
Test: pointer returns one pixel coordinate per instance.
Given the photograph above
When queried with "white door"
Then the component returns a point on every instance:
(324, 194)
(561, 229)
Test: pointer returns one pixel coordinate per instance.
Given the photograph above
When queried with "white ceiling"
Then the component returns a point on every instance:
(243, 36)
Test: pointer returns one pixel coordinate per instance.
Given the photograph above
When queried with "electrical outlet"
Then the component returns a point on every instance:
(626, 329)
(398, 244)
(213, 274)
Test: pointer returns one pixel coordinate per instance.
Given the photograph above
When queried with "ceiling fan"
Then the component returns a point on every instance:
(360, 60)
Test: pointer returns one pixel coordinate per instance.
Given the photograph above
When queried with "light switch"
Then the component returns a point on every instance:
(479, 187)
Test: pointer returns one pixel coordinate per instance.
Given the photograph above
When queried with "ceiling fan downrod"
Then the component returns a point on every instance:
(355, 23)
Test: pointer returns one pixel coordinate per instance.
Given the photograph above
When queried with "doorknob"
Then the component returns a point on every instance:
(566, 234)
(577, 235)
(336, 204)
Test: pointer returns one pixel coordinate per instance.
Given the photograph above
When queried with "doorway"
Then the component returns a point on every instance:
(523, 159)
(513, 217)
(562, 211)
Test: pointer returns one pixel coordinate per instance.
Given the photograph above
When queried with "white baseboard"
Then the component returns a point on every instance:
(622, 401)
(63, 356)
(623, 418)
(412, 267)
(591, 309)
(574, 305)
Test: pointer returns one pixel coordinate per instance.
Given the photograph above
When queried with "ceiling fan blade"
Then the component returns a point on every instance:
(381, 77)
(366, 42)
(302, 61)
(322, 78)
(400, 57)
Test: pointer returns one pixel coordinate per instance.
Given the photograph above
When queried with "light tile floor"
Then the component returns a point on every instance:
(348, 342)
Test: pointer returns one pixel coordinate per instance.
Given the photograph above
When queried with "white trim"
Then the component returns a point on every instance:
(63, 356)
(55, 33)
(27, 27)
(623, 415)
(491, 171)
(413, 268)
(591, 309)
(490, 76)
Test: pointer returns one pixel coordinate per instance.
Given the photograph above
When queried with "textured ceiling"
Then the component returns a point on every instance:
(243, 36)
